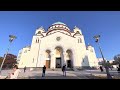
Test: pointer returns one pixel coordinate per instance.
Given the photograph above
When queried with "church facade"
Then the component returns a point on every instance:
(56, 47)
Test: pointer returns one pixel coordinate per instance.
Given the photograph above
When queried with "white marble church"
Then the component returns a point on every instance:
(58, 46)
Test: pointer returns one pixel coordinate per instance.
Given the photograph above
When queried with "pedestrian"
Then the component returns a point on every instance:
(14, 74)
(111, 67)
(101, 68)
(43, 71)
(24, 69)
(64, 70)
(118, 69)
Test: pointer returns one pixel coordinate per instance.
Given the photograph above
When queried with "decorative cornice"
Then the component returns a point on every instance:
(60, 32)
(58, 29)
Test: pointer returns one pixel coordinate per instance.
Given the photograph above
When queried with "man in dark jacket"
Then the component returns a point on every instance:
(43, 73)
(101, 68)
(24, 69)
(118, 69)
(64, 70)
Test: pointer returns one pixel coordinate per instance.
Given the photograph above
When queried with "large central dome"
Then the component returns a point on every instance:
(58, 23)
(58, 27)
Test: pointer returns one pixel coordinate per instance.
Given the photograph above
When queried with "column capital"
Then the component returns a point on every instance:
(51, 54)
(64, 53)
(64, 50)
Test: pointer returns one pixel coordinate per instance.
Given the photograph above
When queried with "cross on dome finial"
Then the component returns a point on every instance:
(58, 23)
(76, 26)
(41, 27)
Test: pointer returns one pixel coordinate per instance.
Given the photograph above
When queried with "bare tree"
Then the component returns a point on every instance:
(117, 58)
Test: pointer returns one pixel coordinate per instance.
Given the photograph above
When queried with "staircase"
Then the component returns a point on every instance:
(49, 69)
(67, 69)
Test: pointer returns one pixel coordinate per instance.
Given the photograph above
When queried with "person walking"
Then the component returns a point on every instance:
(43, 71)
(64, 70)
(24, 69)
(118, 69)
(101, 68)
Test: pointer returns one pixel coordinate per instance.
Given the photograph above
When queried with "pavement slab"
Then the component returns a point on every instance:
(58, 74)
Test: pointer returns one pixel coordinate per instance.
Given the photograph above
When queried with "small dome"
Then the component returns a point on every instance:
(58, 23)
(76, 29)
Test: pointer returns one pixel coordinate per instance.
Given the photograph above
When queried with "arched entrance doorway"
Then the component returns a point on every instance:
(48, 58)
(58, 57)
(69, 60)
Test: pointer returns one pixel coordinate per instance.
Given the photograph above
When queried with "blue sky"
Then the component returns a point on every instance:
(24, 23)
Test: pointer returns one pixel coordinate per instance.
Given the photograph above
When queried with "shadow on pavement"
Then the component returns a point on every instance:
(53, 77)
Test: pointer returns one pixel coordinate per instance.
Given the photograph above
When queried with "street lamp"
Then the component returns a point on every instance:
(105, 64)
(11, 38)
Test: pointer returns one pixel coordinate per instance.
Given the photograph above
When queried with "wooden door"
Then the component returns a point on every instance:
(47, 63)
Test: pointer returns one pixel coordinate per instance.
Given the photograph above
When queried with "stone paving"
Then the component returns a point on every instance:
(57, 74)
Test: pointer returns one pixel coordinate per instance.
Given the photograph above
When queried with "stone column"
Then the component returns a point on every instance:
(52, 61)
(39, 62)
(64, 58)
(73, 60)
(41, 58)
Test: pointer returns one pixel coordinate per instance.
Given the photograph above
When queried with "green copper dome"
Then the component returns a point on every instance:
(58, 23)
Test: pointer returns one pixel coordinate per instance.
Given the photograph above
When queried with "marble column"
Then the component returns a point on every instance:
(73, 60)
(39, 61)
(64, 58)
(52, 61)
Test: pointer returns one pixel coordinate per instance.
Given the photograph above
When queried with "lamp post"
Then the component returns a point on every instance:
(11, 38)
(105, 63)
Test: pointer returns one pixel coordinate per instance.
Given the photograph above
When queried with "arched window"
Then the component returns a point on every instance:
(37, 40)
(77, 32)
(39, 32)
(80, 40)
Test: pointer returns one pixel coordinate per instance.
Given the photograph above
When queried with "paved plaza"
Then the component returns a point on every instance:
(57, 74)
